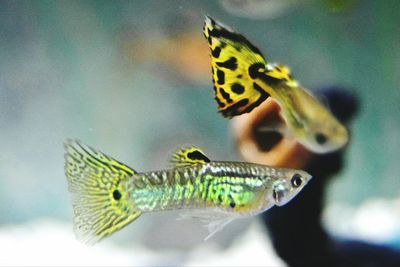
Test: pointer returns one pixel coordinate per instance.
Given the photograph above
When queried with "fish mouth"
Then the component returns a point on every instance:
(279, 197)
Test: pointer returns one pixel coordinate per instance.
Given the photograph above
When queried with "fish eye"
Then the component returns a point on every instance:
(320, 138)
(296, 180)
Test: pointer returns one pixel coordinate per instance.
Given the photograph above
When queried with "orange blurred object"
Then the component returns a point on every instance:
(270, 148)
(185, 53)
(189, 54)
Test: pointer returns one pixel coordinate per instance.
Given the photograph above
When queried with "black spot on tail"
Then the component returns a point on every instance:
(260, 90)
(216, 52)
(117, 195)
(197, 155)
(225, 95)
(220, 104)
(263, 96)
(255, 70)
(269, 80)
(221, 77)
(221, 32)
(231, 64)
(232, 204)
(237, 88)
(234, 109)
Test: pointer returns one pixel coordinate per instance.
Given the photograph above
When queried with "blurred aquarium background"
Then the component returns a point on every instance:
(132, 78)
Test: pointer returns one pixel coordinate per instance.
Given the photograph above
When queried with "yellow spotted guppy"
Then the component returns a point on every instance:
(107, 195)
(243, 79)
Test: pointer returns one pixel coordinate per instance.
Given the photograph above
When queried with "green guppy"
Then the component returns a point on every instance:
(107, 195)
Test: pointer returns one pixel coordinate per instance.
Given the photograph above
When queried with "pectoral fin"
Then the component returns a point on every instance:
(215, 221)
(217, 225)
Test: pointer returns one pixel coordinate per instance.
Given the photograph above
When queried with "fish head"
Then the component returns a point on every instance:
(313, 124)
(326, 135)
(284, 189)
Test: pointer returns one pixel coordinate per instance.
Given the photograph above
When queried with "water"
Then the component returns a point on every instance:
(129, 78)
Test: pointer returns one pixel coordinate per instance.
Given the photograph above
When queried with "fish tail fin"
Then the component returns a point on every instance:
(100, 202)
(238, 69)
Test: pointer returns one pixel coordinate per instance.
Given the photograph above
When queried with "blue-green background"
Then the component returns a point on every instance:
(63, 73)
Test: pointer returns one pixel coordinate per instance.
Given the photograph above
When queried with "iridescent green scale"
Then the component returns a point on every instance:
(229, 186)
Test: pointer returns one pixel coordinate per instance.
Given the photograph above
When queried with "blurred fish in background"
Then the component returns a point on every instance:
(118, 75)
(177, 53)
(259, 9)
(271, 9)
(243, 79)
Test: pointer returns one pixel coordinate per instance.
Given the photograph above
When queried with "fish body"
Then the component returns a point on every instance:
(231, 187)
(309, 122)
(107, 195)
(243, 79)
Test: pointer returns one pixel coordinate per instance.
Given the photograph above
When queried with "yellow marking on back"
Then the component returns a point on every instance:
(188, 156)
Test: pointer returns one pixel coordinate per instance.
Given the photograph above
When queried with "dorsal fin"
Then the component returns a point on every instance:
(187, 156)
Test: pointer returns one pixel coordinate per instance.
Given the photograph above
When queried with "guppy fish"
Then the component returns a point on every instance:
(107, 195)
(243, 80)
